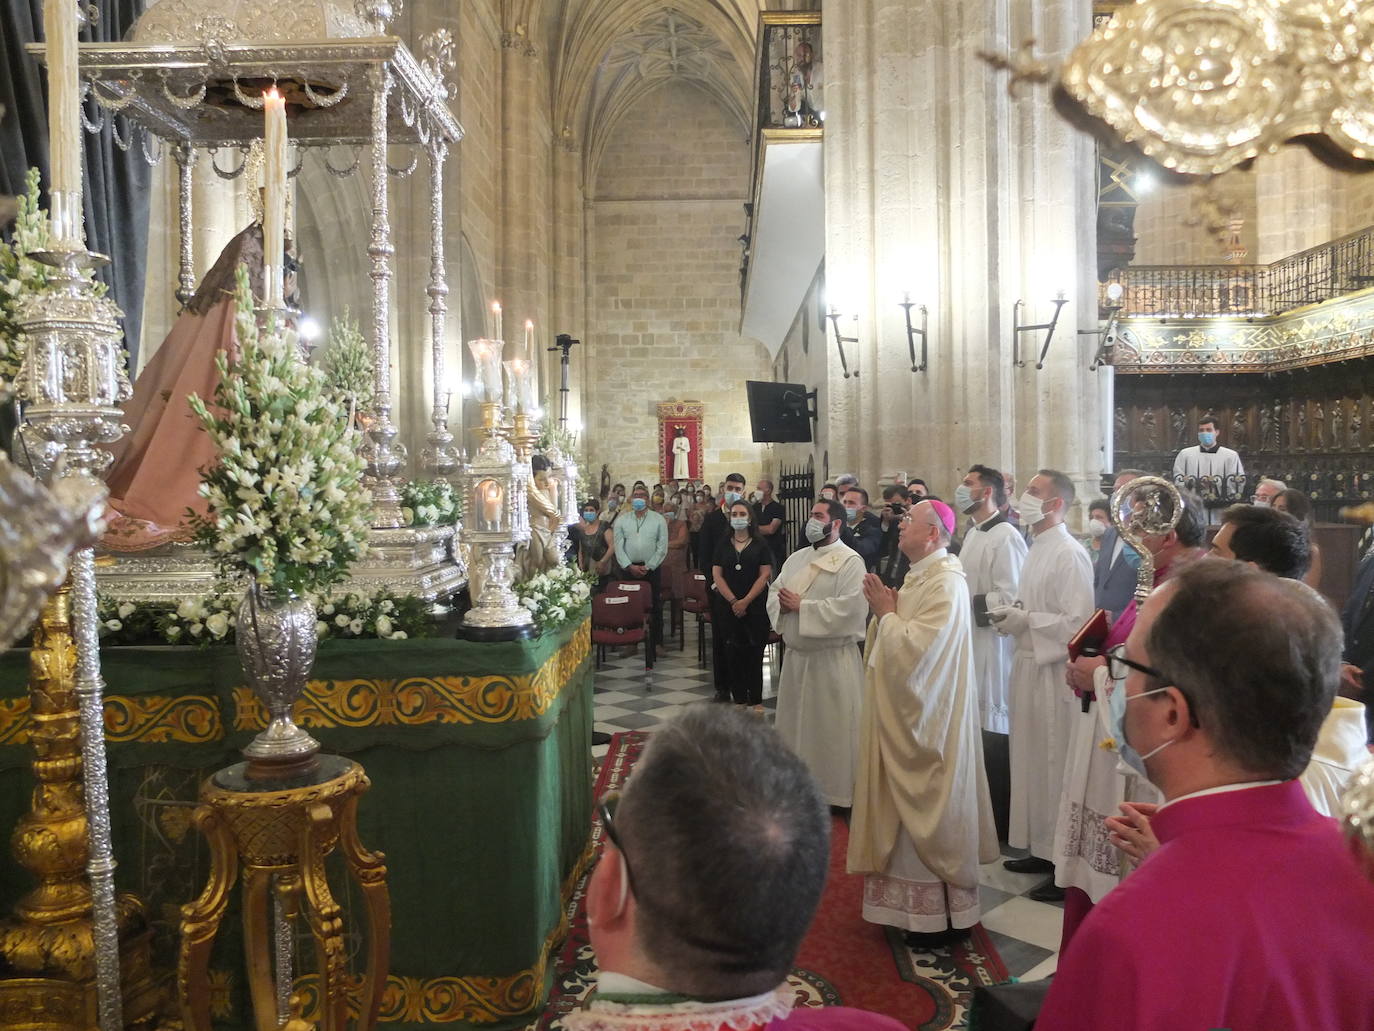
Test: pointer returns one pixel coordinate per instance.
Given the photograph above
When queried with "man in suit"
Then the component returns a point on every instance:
(862, 530)
(1114, 573)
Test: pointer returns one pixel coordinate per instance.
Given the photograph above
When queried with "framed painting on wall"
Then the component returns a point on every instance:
(679, 440)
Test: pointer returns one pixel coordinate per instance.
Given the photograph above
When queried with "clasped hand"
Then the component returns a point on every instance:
(789, 601)
(881, 598)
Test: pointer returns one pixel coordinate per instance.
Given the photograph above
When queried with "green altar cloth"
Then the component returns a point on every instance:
(480, 760)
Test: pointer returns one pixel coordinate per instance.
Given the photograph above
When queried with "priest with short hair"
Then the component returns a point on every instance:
(922, 819)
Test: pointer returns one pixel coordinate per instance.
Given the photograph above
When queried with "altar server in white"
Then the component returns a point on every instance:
(1055, 598)
(922, 818)
(817, 605)
(992, 556)
(1207, 457)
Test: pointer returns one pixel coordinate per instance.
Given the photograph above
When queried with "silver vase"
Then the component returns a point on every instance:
(276, 643)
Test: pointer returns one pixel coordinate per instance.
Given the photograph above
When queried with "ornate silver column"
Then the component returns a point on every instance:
(186, 274)
(73, 379)
(440, 457)
(384, 454)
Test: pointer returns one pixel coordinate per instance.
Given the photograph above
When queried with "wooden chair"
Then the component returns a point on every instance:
(616, 620)
(641, 595)
(696, 598)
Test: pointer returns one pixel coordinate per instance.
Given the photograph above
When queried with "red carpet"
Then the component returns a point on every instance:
(843, 960)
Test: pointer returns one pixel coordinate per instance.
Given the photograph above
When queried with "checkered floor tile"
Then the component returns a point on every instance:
(629, 697)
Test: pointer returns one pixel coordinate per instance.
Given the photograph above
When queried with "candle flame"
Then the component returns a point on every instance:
(529, 323)
(272, 94)
(496, 307)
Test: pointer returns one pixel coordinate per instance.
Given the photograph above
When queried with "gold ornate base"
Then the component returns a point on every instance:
(47, 950)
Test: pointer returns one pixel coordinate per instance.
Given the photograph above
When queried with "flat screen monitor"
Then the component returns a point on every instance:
(778, 412)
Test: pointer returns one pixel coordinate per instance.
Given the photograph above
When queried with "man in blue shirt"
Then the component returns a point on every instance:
(641, 545)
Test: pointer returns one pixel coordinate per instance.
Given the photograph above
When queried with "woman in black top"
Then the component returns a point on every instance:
(588, 537)
(741, 569)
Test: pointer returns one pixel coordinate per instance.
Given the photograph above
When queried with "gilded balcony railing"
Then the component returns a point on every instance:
(1317, 274)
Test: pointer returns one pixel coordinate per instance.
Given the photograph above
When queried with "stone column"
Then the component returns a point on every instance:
(523, 270)
(939, 184)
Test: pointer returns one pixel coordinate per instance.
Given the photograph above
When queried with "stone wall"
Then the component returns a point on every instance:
(663, 286)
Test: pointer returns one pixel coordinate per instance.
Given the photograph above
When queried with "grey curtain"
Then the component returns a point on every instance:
(117, 181)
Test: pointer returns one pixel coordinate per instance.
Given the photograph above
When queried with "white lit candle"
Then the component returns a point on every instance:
(496, 313)
(533, 360)
(491, 505)
(274, 197)
(64, 115)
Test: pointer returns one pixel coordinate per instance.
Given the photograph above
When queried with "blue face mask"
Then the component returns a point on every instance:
(639, 504)
(1206, 438)
(1131, 556)
(1116, 717)
(589, 515)
(851, 513)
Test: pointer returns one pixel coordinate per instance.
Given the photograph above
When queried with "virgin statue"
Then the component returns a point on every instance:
(157, 466)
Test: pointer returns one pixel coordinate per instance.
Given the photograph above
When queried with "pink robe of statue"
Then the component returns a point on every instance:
(156, 472)
(1252, 915)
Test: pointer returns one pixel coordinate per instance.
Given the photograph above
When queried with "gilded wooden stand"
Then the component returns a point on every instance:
(47, 950)
(285, 829)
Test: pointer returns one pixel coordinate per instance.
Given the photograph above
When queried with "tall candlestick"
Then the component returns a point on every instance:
(64, 118)
(496, 313)
(274, 200)
(533, 359)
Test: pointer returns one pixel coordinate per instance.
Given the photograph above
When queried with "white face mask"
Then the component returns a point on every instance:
(739, 522)
(1031, 508)
(816, 531)
(1096, 529)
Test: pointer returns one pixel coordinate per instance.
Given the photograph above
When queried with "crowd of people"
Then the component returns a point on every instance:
(928, 689)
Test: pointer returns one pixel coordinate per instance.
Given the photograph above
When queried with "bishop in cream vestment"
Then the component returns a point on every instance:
(922, 818)
(821, 682)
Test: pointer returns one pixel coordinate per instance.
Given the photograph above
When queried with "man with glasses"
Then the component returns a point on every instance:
(922, 818)
(1253, 913)
(716, 859)
(1086, 867)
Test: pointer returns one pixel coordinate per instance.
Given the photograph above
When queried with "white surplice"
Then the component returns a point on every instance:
(1341, 750)
(1096, 782)
(922, 819)
(1057, 595)
(992, 557)
(820, 687)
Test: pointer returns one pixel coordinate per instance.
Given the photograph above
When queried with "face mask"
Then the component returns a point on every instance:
(1261, 502)
(1131, 556)
(829, 495)
(1031, 508)
(963, 497)
(589, 515)
(1206, 438)
(739, 522)
(1117, 706)
(816, 531)
(851, 513)
(731, 496)
(613, 502)
(1096, 529)
(756, 496)
(639, 504)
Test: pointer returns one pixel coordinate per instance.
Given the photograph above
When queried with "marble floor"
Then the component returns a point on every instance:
(628, 697)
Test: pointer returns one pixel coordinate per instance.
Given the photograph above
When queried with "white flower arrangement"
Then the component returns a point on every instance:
(347, 363)
(430, 503)
(557, 597)
(285, 508)
(212, 619)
